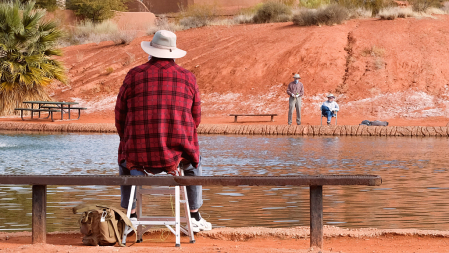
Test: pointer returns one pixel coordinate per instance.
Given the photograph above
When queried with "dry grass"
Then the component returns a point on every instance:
(423, 5)
(163, 23)
(329, 15)
(198, 15)
(360, 12)
(243, 18)
(123, 37)
(87, 32)
(396, 12)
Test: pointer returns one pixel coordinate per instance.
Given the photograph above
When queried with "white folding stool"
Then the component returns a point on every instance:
(149, 221)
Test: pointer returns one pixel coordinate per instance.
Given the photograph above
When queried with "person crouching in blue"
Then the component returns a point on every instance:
(329, 108)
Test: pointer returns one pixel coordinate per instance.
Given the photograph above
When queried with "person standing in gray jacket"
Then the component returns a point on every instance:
(295, 90)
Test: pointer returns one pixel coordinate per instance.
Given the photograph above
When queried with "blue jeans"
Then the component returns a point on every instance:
(194, 192)
(327, 113)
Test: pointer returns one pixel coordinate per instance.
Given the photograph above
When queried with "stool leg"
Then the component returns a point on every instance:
(139, 212)
(187, 214)
(177, 217)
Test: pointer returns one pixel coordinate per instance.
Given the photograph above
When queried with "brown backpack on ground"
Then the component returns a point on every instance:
(102, 225)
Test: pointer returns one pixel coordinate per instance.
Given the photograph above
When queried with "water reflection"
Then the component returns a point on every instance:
(413, 193)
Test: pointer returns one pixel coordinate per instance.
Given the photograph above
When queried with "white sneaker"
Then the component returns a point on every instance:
(201, 225)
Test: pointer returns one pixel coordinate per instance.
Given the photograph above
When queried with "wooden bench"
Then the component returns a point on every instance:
(50, 112)
(39, 191)
(236, 115)
(66, 108)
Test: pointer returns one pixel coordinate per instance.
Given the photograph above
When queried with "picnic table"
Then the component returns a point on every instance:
(50, 107)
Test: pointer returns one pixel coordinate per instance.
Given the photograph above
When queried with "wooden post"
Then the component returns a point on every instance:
(235, 118)
(39, 228)
(316, 216)
(272, 118)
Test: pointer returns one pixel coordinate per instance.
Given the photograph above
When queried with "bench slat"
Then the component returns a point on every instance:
(370, 180)
(35, 110)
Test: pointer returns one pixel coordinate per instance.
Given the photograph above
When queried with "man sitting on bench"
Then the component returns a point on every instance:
(157, 113)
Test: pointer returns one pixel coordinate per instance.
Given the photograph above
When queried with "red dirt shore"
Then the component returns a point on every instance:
(246, 240)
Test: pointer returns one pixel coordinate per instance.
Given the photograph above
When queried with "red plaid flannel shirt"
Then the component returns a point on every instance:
(157, 113)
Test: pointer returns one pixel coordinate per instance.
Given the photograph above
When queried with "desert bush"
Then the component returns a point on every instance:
(329, 15)
(96, 10)
(445, 7)
(243, 19)
(163, 23)
(27, 50)
(198, 15)
(423, 5)
(396, 12)
(88, 32)
(271, 12)
(374, 5)
(314, 4)
(359, 12)
(123, 36)
(434, 10)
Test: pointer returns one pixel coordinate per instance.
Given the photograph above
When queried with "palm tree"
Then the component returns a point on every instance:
(27, 45)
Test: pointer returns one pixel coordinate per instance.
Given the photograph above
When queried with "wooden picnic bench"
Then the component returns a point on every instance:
(50, 107)
(50, 112)
(68, 109)
(316, 183)
(236, 115)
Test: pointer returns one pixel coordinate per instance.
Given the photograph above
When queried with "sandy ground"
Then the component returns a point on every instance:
(246, 240)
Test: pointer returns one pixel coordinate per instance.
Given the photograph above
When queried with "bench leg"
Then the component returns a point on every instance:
(272, 118)
(21, 114)
(235, 118)
(79, 113)
(39, 224)
(316, 216)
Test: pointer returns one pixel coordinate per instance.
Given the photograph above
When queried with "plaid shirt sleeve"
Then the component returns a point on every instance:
(196, 107)
(121, 107)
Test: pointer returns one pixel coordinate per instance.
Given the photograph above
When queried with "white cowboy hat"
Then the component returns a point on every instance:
(297, 76)
(330, 95)
(163, 45)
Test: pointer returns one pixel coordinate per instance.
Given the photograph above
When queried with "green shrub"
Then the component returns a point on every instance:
(27, 50)
(329, 15)
(96, 10)
(271, 12)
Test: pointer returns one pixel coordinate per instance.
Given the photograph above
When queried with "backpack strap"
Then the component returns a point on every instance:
(83, 208)
(117, 235)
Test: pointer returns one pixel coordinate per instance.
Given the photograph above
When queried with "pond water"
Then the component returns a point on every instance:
(415, 174)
